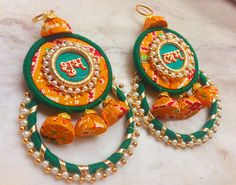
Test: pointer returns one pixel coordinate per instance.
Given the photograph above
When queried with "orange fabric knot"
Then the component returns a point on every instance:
(55, 26)
(189, 106)
(165, 107)
(206, 94)
(59, 129)
(113, 110)
(90, 125)
(155, 21)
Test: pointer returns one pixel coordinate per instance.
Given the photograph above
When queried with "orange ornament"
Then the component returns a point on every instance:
(155, 21)
(58, 128)
(90, 124)
(189, 106)
(165, 107)
(113, 110)
(206, 94)
(55, 25)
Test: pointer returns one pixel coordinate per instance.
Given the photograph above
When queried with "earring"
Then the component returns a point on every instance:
(166, 61)
(70, 73)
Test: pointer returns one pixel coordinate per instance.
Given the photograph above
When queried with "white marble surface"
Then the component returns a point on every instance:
(209, 25)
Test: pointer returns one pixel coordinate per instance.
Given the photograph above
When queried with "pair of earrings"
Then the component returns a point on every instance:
(71, 73)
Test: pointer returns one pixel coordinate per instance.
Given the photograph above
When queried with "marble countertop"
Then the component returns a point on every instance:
(209, 25)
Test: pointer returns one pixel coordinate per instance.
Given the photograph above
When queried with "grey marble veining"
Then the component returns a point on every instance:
(209, 25)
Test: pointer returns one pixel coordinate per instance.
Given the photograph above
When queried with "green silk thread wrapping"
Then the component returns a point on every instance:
(73, 168)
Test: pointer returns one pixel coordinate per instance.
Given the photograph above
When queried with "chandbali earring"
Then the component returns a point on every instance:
(70, 73)
(166, 61)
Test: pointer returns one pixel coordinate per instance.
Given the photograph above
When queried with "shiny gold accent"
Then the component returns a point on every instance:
(32, 129)
(193, 138)
(89, 111)
(25, 140)
(22, 105)
(163, 94)
(205, 129)
(163, 131)
(121, 151)
(128, 136)
(42, 151)
(33, 109)
(106, 102)
(135, 144)
(123, 161)
(83, 169)
(138, 124)
(130, 153)
(22, 128)
(129, 121)
(121, 86)
(27, 94)
(104, 175)
(58, 176)
(144, 10)
(142, 96)
(114, 170)
(45, 16)
(150, 115)
(69, 179)
(81, 179)
(179, 138)
(21, 117)
(137, 134)
(62, 165)
(195, 87)
(38, 161)
(48, 169)
(30, 151)
(65, 115)
(93, 179)
(212, 117)
(108, 163)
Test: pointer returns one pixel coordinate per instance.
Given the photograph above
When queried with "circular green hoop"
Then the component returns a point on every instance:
(179, 137)
(39, 96)
(143, 74)
(71, 168)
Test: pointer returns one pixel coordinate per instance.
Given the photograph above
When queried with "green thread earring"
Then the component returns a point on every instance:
(70, 73)
(166, 61)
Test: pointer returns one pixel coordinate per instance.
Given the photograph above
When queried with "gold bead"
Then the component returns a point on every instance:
(130, 153)
(38, 161)
(25, 140)
(169, 142)
(81, 179)
(47, 169)
(30, 151)
(58, 175)
(104, 175)
(69, 179)
(27, 94)
(22, 128)
(160, 137)
(121, 85)
(137, 134)
(123, 161)
(93, 179)
(135, 144)
(21, 117)
(114, 169)
(138, 124)
(22, 104)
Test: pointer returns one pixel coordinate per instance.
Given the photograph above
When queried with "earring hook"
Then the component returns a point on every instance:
(144, 10)
(44, 16)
